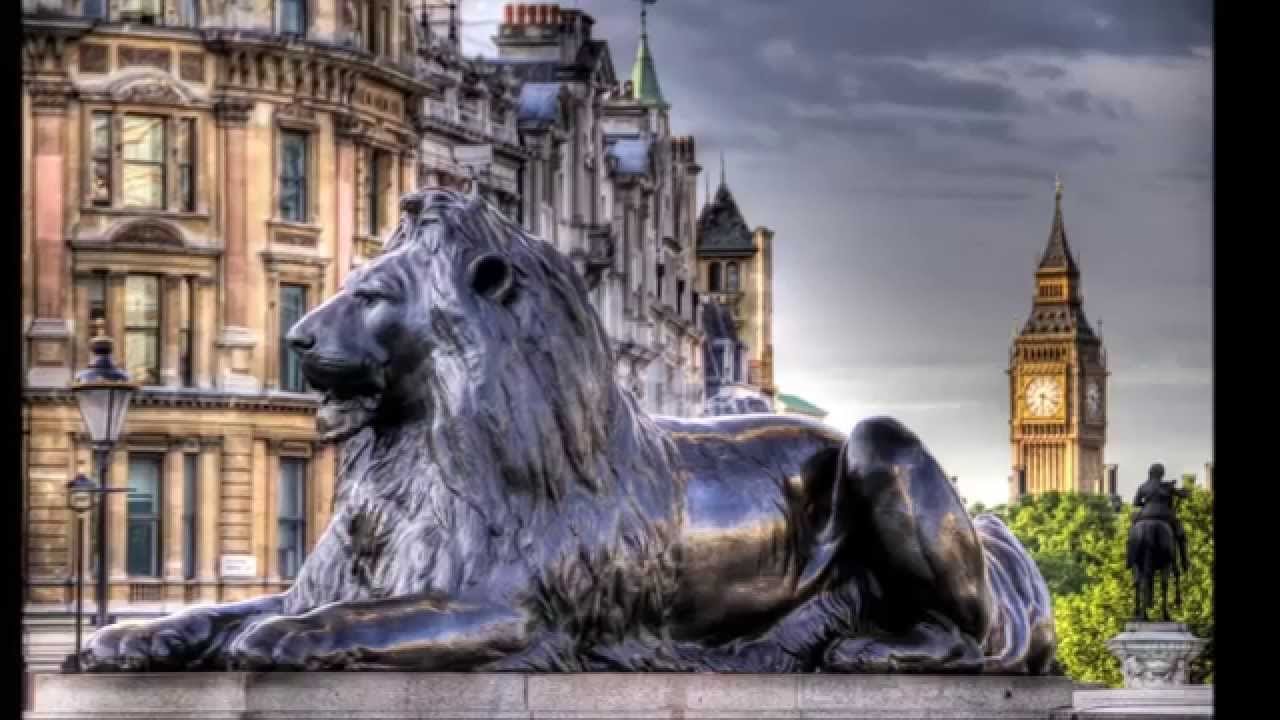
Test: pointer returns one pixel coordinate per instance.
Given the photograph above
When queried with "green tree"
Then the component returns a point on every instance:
(1065, 534)
(1086, 621)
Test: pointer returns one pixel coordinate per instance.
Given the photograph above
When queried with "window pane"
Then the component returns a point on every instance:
(101, 135)
(143, 186)
(142, 301)
(143, 138)
(95, 9)
(143, 502)
(290, 490)
(293, 18)
(293, 174)
(141, 547)
(96, 289)
(144, 484)
(293, 305)
(142, 357)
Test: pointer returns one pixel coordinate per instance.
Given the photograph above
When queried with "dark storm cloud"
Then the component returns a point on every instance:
(901, 83)
(1085, 103)
(904, 151)
(933, 28)
(1044, 72)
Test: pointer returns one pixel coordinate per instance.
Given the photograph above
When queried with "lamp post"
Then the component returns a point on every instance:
(81, 497)
(103, 391)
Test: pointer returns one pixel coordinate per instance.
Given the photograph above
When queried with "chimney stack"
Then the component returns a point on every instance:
(1113, 480)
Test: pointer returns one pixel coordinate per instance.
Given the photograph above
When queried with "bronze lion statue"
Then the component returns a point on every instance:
(503, 504)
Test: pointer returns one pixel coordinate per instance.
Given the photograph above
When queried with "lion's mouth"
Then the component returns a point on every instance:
(351, 398)
(340, 418)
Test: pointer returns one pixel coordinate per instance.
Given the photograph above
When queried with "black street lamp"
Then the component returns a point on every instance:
(82, 495)
(103, 392)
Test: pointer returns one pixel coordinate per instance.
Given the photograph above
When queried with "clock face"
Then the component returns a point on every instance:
(1044, 397)
(1093, 399)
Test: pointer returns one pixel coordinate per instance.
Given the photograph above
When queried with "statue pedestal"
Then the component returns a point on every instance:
(400, 696)
(1155, 655)
(1154, 658)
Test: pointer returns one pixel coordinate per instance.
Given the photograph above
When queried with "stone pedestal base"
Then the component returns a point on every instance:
(1155, 655)
(1186, 701)
(401, 696)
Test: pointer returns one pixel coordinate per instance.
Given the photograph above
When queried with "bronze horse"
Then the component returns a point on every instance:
(1157, 544)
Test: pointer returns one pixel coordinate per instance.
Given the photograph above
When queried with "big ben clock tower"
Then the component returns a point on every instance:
(1057, 382)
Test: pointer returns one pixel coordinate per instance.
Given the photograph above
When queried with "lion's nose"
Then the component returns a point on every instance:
(300, 340)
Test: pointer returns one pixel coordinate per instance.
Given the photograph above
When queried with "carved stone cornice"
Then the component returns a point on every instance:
(233, 110)
(50, 95)
(347, 127)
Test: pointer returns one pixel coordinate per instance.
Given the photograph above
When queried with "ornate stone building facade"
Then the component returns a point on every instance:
(197, 174)
(611, 187)
(1058, 383)
(735, 270)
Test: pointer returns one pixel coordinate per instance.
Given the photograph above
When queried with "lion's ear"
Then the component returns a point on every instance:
(491, 275)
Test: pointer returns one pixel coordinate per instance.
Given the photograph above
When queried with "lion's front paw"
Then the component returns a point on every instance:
(286, 643)
(166, 644)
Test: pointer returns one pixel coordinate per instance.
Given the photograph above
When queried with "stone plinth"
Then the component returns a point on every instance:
(1185, 701)
(1155, 655)
(400, 696)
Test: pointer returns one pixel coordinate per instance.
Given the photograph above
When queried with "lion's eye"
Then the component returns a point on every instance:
(368, 297)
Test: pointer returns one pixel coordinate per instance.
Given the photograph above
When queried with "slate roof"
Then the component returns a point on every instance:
(721, 226)
(630, 153)
(539, 103)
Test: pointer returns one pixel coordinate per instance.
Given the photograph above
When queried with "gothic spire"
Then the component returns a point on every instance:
(1057, 253)
(722, 182)
(644, 77)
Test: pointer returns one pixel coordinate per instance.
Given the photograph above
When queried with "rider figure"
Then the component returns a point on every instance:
(1157, 498)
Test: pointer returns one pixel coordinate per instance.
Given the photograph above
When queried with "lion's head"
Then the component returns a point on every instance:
(463, 316)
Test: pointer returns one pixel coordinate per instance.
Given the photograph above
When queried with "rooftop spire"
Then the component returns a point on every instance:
(722, 182)
(644, 78)
(1057, 254)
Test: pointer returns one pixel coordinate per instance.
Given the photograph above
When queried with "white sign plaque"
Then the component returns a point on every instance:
(238, 566)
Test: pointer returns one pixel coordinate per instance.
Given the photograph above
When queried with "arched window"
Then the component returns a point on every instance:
(731, 278)
(713, 277)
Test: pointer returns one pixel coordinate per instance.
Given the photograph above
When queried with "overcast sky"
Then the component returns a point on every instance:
(904, 152)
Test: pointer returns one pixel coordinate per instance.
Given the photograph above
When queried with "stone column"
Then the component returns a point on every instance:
(203, 327)
(115, 315)
(171, 370)
(117, 522)
(271, 366)
(50, 332)
(408, 176)
(270, 508)
(236, 341)
(171, 514)
(210, 492)
(344, 134)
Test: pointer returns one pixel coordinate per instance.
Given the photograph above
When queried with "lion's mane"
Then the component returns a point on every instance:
(534, 469)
